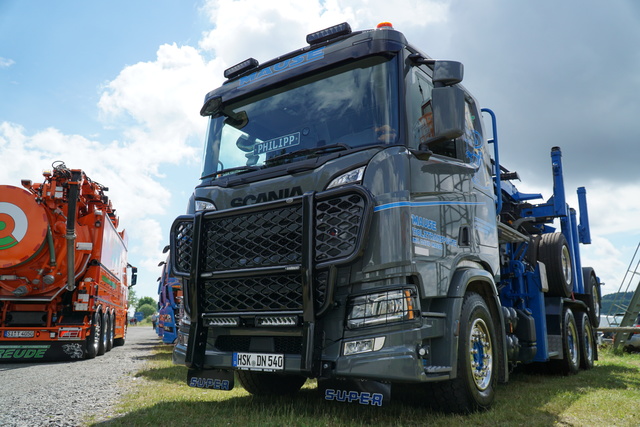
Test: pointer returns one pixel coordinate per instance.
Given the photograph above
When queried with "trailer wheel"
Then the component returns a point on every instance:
(554, 253)
(102, 347)
(93, 340)
(594, 300)
(110, 330)
(570, 362)
(263, 384)
(587, 341)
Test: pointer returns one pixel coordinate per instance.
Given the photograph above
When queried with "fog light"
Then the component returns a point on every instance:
(363, 346)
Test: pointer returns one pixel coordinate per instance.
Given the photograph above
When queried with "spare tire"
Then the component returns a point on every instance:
(554, 252)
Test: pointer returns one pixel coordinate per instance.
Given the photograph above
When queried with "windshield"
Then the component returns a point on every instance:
(347, 107)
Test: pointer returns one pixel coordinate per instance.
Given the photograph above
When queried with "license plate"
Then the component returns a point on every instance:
(18, 334)
(258, 361)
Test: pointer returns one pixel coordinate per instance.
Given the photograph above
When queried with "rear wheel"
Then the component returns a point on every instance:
(93, 340)
(587, 341)
(110, 331)
(554, 253)
(570, 362)
(261, 383)
(102, 347)
(592, 289)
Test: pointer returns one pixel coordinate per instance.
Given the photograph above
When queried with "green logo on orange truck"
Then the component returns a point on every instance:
(23, 351)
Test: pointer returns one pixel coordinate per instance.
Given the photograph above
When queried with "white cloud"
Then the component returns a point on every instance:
(265, 30)
(6, 62)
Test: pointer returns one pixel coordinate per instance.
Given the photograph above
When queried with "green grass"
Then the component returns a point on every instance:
(607, 395)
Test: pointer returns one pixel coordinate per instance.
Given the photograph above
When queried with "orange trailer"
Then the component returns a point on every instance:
(64, 276)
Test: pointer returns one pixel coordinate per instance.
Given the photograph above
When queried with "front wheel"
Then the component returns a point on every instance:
(474, 387)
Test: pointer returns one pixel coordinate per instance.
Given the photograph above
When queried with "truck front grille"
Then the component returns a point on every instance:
(255, 239)
(257, 293)
(253, 258)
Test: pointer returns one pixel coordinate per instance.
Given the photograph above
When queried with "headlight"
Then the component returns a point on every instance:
(381, 308)
(203, 205)
(353, 176)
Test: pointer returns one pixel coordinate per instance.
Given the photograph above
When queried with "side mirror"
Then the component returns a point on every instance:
(447, 73)
(448, 114)
(134, 275)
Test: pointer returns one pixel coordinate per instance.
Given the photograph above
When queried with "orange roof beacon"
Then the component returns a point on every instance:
(64, 276)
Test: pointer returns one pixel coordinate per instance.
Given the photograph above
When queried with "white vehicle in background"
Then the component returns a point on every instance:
(612, 321)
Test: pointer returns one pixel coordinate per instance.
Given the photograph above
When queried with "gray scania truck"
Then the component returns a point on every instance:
(353, 225)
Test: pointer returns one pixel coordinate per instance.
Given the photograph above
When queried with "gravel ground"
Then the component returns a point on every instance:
(67, 393)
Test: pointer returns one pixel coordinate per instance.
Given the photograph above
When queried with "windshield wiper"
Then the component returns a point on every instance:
(230, 170)
(308, 151)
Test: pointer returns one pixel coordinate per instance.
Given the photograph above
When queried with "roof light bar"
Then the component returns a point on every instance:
(329, 33)
(236, 70)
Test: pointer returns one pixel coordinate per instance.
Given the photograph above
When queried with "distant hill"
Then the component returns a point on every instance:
(619, 300)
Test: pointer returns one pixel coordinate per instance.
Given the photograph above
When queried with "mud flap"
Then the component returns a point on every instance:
(42, 351)
(372, 393)
(215, 379)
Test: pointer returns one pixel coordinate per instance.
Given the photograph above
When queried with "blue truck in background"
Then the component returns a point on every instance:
(169, 304)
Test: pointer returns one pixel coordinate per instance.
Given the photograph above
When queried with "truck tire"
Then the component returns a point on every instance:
(93, 340)
(110, 331)
(263, 384)
(587, 341)
(594, 299)
(474, 388)
(554, 253)
(102, 347)
(570, 362)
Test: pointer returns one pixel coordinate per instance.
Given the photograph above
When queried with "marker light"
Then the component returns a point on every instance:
(385, 26)
(236, 70)
(329, 33)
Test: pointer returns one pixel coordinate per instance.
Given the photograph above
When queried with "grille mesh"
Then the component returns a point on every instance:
(257, 239)
(183, 235)
(259, 293)
(338, 222)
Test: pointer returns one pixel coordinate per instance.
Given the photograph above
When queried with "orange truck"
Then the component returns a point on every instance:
(64, 276)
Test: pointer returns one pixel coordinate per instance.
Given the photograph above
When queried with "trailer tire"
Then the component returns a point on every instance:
(102, 347)
(267, 384)
(587, 341)
(93, 340)
(594, 299)
(570, 362)
(554, 253)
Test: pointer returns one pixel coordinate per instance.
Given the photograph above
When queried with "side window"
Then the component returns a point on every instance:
(419, 112)
(420, 116)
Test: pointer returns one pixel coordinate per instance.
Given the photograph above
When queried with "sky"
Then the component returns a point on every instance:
(115, 88)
